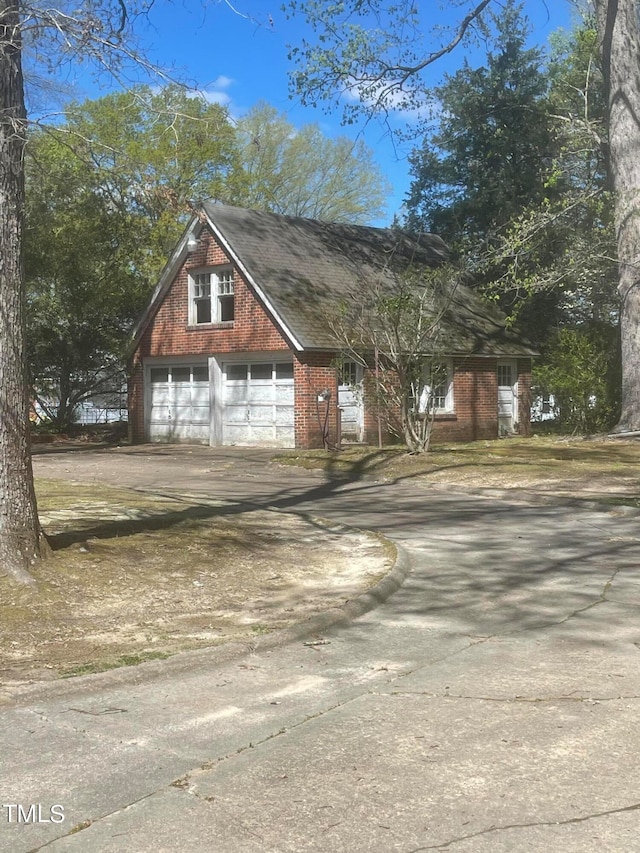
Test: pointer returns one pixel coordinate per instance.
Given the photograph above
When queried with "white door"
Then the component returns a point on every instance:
(178, 403)
(258, 407)
(507, 397)
(350, 402)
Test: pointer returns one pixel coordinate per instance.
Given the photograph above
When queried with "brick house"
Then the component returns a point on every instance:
(234, 346)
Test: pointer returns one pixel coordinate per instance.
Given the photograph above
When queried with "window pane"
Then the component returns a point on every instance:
(349, 373)
(227, 309)
(225, 283)
(159, 375)
(504, 375)
(201, 373)
(202, 285)
(203, 310)
(236, 372)
(180, 374)
(261, 371)
(284, 371)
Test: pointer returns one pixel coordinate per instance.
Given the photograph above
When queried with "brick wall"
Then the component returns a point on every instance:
(169, 333)
(475, 395)
(475, 392)
(313, 373)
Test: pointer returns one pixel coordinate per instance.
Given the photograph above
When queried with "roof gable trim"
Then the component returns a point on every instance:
(167, 277)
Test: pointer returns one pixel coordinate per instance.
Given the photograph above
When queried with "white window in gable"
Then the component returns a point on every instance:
(211, 296)
(436, 395)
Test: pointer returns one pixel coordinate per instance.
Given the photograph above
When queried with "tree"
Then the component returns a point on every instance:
(380, 52)
(154, 155)
(21, 539)
(97, 32)
(576, 372)
(301, 172)
(539, 235)
(84, 268)
(121, 176)
(490, 155)
(619, 37)
(398, 333)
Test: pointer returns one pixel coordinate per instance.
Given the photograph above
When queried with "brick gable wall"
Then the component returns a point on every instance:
(169, 334)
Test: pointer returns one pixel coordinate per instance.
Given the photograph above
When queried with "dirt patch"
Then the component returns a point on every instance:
(134, 578)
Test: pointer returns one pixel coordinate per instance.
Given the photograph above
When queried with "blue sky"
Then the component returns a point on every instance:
(240, 57)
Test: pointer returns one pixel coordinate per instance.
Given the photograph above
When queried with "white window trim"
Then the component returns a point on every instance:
(216, 275)
(449, 403)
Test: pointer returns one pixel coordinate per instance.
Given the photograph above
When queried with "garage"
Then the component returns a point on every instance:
(178, 403)
(258, 403)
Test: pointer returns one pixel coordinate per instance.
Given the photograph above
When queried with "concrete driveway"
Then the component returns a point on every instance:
(491, 704)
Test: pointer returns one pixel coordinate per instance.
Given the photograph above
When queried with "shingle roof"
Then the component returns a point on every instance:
(306, 268)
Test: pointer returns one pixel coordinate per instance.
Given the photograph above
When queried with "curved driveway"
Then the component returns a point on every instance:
(491, 704)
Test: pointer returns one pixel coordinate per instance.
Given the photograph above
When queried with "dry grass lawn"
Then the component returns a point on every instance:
(134, 577)
(599, 469)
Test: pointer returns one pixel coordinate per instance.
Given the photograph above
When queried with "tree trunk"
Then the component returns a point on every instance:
(619, 35)
(21, 539)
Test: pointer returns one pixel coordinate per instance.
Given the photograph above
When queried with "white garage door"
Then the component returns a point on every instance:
(258, 404)
(179, 403)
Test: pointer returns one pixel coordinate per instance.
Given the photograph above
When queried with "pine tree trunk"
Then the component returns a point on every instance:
(619, 35)
(21, 539)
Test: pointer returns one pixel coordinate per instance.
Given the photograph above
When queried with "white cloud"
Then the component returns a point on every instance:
(216, 91)
(388, 95)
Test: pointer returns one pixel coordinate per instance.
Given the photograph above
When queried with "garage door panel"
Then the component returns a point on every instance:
(235, 434)
(236, 392)
(161, 396)
(179, 403)
(182, 395)
(200, 395)
(199, 415)
(284, 395)
(260, 410)
(284, 415)
(285, 436)
(199, 433)
(160, 432)
(236, 414)
(262, 434)
(161, 413)
(261, 392)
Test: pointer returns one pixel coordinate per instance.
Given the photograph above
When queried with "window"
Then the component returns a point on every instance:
(179, 374)
(211, 296)
(200, 373)
(159, 375)
(237, 372)
(284, 370)
(348, 374)
(437, 388)
(505, 379)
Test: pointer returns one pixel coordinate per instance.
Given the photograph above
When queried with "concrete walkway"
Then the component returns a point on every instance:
(491, 704)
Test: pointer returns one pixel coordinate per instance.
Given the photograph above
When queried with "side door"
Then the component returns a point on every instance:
(507, 397)
(350, 402)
